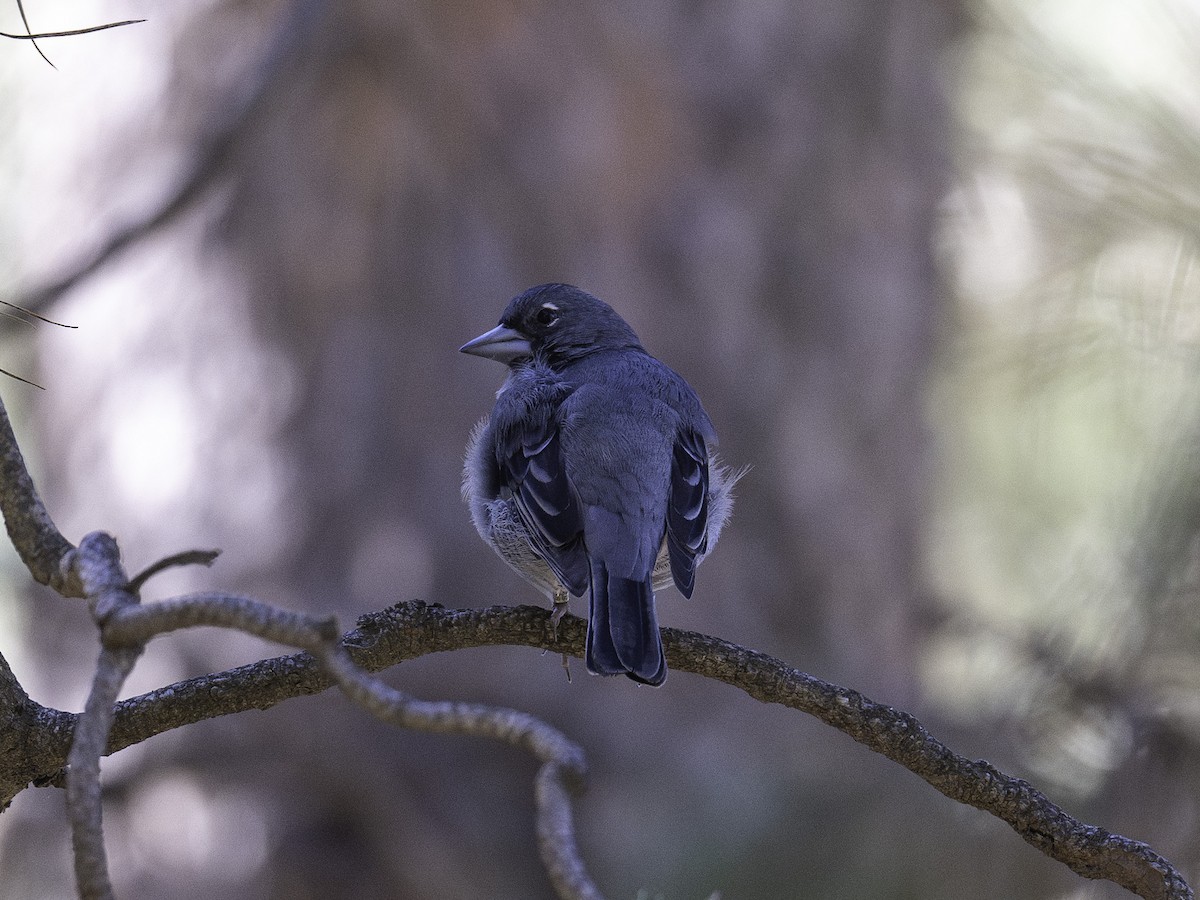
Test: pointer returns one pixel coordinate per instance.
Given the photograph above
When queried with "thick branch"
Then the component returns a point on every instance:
(126, 627)
(409, 630)
(43, 549)
(1088, 850)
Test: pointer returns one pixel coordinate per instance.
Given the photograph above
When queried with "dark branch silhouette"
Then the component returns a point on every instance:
(29, 33)
(34, 38)
(26, 321)
(29, 36)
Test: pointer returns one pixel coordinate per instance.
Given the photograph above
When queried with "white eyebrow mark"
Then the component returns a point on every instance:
(550, 306)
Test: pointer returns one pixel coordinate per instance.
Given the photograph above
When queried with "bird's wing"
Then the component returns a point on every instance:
(687, 508)
(529, 457)
(663, 435)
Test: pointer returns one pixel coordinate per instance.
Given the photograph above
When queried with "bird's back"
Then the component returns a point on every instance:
(595, 466)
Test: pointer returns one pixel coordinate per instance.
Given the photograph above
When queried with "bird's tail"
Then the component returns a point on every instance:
(622, 635)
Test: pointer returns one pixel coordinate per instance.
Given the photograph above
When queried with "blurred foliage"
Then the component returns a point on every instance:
(1066, 528)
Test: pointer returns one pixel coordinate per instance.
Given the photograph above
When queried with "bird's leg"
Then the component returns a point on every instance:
(559, 610)
(556, 614)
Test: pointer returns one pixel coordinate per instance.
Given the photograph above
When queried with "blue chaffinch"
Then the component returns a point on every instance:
(595, 472)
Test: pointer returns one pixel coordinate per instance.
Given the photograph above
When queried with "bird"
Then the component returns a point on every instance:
(595, 472)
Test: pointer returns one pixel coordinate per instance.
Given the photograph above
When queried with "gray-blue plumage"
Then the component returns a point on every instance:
(594, 473)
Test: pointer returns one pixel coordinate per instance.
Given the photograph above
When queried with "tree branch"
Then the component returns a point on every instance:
(125, 628)
(98, 563)
(561, 774)
(84, 808)
(39, 737)
(41, 546)
(29, 33)
(186, 558)
(72, 33)
(410, 630)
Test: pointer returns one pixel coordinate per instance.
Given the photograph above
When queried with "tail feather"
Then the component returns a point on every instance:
(623, 636)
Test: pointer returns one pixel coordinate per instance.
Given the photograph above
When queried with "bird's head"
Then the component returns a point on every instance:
(554, 323)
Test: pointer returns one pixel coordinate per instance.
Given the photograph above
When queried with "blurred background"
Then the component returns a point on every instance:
(931, 265)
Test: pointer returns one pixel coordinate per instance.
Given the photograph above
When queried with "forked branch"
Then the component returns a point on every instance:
(409, 630)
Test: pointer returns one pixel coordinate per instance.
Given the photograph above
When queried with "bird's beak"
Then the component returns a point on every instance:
(503, 344)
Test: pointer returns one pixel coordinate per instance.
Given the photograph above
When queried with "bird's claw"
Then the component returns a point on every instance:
(559, 610)
(556, 614)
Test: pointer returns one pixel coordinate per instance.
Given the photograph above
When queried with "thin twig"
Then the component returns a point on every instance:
(72, 33)
(16, 377)
(187, 558)
(23, 321)
(29, 34)
(30, 312)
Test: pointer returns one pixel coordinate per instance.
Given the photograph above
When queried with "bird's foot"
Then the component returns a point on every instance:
(556, 614)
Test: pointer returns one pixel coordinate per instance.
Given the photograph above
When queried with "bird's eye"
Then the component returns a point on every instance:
(546, 316)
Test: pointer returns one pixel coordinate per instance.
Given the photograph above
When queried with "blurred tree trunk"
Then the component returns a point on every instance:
(754, 187)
